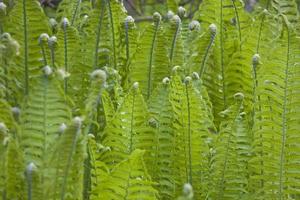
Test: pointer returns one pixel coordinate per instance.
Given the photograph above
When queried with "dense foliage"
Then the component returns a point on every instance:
(95, 106)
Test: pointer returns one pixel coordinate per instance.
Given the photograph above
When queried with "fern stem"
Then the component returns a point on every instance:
(238, 23)
(66, 58)
(190, 178)
(131, 123)
(260, 28)
(113, 33)
(44, 54)
(68, 166)
(149, 78)
(203, 64)
(75, 12)
(52, 53)
(222, 57)
(284, 120)
(26, 86)
(98, 34)
(174, 43)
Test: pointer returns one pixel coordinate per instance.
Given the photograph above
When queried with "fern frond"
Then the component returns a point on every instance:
(150, 63)
(127, 129)
(191, 124)
(162, 170)
(129, 180)
(68, 165)
(29, 17)
(275, 128)
(233, 147)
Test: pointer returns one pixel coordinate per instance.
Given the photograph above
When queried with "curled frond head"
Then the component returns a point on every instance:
(170, 15)
(2, 8)
(91, 136)
(52, 42)
(62, 128)
(255, 59)
(3, 128)
(135, 86)
(156, 17)
(129, 20)
(239, 96)
(181, 12)
(30, 168)
(187, 80)
(176, 69)
(62, 74)
(43, 39)
(195, 76)
(266, 12)
(77, 121)
(47, 70)
(5, 37)
(188, 191)
(166, 81)
(153, 122)
(53, 23)
(176, 19)
(99, 75)
(65, 23)
(16, 112)
(194, 25)
(213, 29)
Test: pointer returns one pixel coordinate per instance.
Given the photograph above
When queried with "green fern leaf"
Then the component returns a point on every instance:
(129, 180)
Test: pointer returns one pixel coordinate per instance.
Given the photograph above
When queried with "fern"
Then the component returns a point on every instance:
(129, 180)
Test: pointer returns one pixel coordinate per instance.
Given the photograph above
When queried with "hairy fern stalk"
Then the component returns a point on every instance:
(199, 101)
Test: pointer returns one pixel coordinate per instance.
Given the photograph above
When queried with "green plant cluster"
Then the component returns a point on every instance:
(95, 106)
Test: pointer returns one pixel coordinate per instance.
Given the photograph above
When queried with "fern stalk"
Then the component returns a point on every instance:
(149, 80)
(284, 118)
(113, 33)
(98, 33)
(26, 73)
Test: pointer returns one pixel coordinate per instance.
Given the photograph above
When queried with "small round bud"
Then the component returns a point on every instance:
(187, 80)
(53, 23)
(181, 12)
(255, 59)
(176, 69)
(65, 23)
(16, 113)
(62, 128)
(213, 29)
(156, 17)
(43, 39)
(5, 37)
(52, 42)
(176, 19)
(3, 127)
(170, 15)
(265, 12)
(62, 74)
(129, 20)
(135, 85)
(153, 122)
(77, 121)
(188, 190)
(239, 96)
(2, 8)
(99, 75)
(30, 168)
(166, 81)
(194, 25)
(47, 70)
(195, 76)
